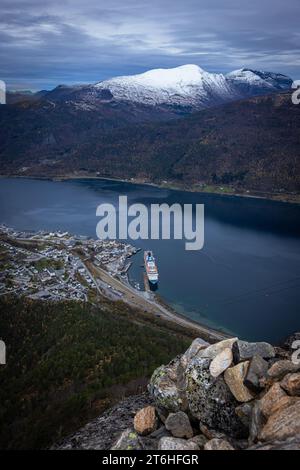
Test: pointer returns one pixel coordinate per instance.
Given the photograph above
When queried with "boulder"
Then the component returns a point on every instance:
(174, 443)
(291, 443)
(200, 440)
(160, 432)
(197, 345)
(242, 350)
(244, 412)
(148, 443)
(145, 421)
(284, 402)
(128, 440)
(210, 433)
(282, 424)
(270, 399)
(179, 425)
(165, 388)
(221, 362)
(291, 384)
(280, 368)
(209, 399)
(218, 444)
(256, 423)
(257, 371)
(234, 378)
(214, 349)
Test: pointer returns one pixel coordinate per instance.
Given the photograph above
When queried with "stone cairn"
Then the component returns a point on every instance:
(225, 396)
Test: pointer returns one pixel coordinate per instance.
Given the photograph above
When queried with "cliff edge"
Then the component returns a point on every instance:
(224, 396)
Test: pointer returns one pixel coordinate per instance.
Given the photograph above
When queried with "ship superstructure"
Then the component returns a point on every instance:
(150, 266)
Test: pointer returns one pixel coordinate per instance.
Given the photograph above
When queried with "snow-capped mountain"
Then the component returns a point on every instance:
(187, 85)
(191, 86)
(157, 95)
(250, 82)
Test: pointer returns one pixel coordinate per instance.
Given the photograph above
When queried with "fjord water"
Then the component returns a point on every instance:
(246, 279)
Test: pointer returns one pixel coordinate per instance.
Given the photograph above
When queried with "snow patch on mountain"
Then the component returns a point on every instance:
(259, 79)
(191, 86)
(187, 85)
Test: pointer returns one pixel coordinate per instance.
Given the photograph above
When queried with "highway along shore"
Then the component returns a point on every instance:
(115, 289)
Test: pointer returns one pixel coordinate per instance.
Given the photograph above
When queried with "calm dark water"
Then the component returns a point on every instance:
(245, 280)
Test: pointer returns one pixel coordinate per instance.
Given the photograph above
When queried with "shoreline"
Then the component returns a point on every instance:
(138, 299)
(287, 198)
(114, 288)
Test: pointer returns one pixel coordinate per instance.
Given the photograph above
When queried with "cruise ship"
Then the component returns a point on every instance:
(150, 266)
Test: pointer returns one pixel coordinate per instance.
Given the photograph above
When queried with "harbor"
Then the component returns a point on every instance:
(53, 266)
(224, 286)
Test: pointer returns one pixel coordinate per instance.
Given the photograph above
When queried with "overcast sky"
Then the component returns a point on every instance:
(44, 43)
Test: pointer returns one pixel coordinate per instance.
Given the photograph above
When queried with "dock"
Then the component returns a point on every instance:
(146, 284)
(127, 267)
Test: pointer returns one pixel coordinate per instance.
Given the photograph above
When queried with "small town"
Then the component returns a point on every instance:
(54, 265)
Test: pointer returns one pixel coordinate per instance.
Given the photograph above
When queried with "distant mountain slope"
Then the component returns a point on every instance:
(189, 85)
(251, 144)
(170, 92)
(57, 120)
(53, 126)
(256, 82)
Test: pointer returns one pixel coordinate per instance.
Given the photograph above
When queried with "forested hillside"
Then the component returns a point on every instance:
(250, 144)
(67, 362)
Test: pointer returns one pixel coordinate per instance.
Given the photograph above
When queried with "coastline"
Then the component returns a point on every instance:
(115, 288)
(289, 198)
(159, 309)
(205, 327)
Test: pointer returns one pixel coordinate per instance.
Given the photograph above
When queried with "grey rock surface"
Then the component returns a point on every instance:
(218, 444)
(165, 387)
(174, 443)
(102, 432)
(210, 400)
(280, 368)
(128, 440)
(179, 425)
(243, 350)
(257, 370)
(291, 443)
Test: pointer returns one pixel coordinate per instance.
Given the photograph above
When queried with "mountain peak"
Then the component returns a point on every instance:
(189, 73)
(185, 85)
(190, 86)
(260, 78)
(160, 78)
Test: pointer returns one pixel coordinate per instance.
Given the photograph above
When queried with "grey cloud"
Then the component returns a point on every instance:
(46, 43)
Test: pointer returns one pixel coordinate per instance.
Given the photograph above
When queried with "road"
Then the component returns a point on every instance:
(138, 299)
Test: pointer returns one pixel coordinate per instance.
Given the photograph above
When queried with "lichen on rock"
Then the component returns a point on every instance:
(164, 387)
(210, 400)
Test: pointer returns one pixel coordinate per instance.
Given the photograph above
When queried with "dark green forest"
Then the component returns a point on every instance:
(67, 362)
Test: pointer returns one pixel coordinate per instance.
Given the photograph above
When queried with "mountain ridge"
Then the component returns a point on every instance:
(190, 85)
(183, 89)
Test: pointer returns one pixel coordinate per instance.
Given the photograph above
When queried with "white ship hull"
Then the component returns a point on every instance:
(150, 267)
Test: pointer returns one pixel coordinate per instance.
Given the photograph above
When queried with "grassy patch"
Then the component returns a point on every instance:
(47, 263)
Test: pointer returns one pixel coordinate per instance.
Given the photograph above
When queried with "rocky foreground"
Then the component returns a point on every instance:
(225, 396)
